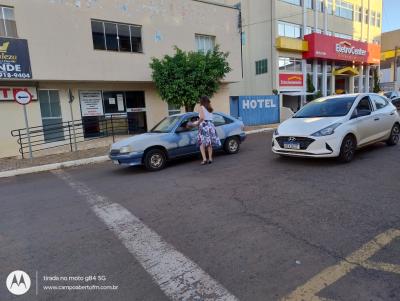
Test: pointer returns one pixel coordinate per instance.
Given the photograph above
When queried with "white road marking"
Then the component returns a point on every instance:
(177, 276)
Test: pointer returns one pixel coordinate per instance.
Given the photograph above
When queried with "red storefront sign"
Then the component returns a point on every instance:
(290, 80)
(333, 48)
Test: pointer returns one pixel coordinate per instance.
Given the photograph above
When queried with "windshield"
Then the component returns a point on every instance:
(166, 125)
(326, 107)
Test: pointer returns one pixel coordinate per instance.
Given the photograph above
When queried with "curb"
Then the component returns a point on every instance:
(53, 166)
(86, 161)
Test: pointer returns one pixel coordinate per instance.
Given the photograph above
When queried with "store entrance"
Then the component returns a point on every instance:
(136, 112)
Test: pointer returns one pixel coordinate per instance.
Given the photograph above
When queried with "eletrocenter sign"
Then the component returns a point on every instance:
(347, 48)
(338, 49)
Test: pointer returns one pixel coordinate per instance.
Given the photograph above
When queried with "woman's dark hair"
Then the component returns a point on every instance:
(205, 102)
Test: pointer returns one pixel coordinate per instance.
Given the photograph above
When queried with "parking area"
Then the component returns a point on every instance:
(251, 226)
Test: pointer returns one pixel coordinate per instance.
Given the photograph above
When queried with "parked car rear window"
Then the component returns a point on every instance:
(326, 107)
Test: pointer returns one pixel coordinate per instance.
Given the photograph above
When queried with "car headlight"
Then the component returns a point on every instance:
(125, 149)
(329, 130)
(276, 133)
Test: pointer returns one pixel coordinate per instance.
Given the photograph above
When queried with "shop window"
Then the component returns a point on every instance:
(289, 30)
(113, 102)
(204, 43)
(116, 36)
(8, 27)
(173, 109)
(261, 66)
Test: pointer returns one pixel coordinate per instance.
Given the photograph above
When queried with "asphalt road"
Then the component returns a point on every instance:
(258, 225)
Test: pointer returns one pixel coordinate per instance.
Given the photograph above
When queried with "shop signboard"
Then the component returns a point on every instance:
(258, 109)
(14, 59)
(334, 48)
(8, 93)
(91, 103)
(290, 80)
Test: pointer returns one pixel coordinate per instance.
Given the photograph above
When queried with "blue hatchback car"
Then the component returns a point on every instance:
(173, 137)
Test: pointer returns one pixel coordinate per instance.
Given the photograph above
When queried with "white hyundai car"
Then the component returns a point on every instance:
(336, 126)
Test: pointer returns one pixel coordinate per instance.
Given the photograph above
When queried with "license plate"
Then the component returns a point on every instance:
(116, 162)
(291, 145)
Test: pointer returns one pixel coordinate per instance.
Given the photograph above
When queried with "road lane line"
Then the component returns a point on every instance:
(309, 291)
(177, 276)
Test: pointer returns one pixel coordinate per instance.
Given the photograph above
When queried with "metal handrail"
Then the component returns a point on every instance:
(62, 133)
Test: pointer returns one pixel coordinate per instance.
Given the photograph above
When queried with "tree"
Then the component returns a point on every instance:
(183, 78)
(377, 87)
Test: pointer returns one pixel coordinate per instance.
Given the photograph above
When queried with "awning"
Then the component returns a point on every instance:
(346, 71)
(300, 93)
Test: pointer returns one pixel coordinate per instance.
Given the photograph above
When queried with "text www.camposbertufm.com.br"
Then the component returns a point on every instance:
(79, 287)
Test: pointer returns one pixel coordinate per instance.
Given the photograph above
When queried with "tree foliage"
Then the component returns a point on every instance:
(377, 87)
(183, 78)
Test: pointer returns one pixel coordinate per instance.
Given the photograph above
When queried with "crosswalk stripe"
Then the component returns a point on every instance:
(177, 276)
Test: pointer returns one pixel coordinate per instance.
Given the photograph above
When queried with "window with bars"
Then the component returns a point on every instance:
(261, 66)
(8, 26)
(116, 36)
(204, 43)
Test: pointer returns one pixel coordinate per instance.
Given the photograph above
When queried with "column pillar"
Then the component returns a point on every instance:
(303, 61)
(351, 84)
(333, 79)
(367, 74)
(324, 78)
(360, 79)
(315, 74)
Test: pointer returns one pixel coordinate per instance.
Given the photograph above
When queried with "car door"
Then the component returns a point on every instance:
(185, 138)
(384, 116)
(363, 121)
(219, 123)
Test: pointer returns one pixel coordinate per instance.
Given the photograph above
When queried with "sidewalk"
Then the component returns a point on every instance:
(13, 166)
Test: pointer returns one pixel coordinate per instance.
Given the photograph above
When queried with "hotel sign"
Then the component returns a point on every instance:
(290, 80)
(338, 49)
(14, 59)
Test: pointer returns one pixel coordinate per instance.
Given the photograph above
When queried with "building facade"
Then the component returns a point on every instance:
(98, 52)
(335, 43)
(390, 61)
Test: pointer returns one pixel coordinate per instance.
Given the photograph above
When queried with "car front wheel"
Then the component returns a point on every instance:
(231, 145)
(348, 149)
(155, 160)
(394, 136)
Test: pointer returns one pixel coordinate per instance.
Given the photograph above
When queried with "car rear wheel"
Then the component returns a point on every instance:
(348, 149)
(155, 159)
(231, 145)
(394, 136)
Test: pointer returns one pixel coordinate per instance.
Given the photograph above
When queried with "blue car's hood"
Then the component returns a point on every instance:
(139, 142)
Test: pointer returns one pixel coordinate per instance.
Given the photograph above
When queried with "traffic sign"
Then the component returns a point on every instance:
(23, 97)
